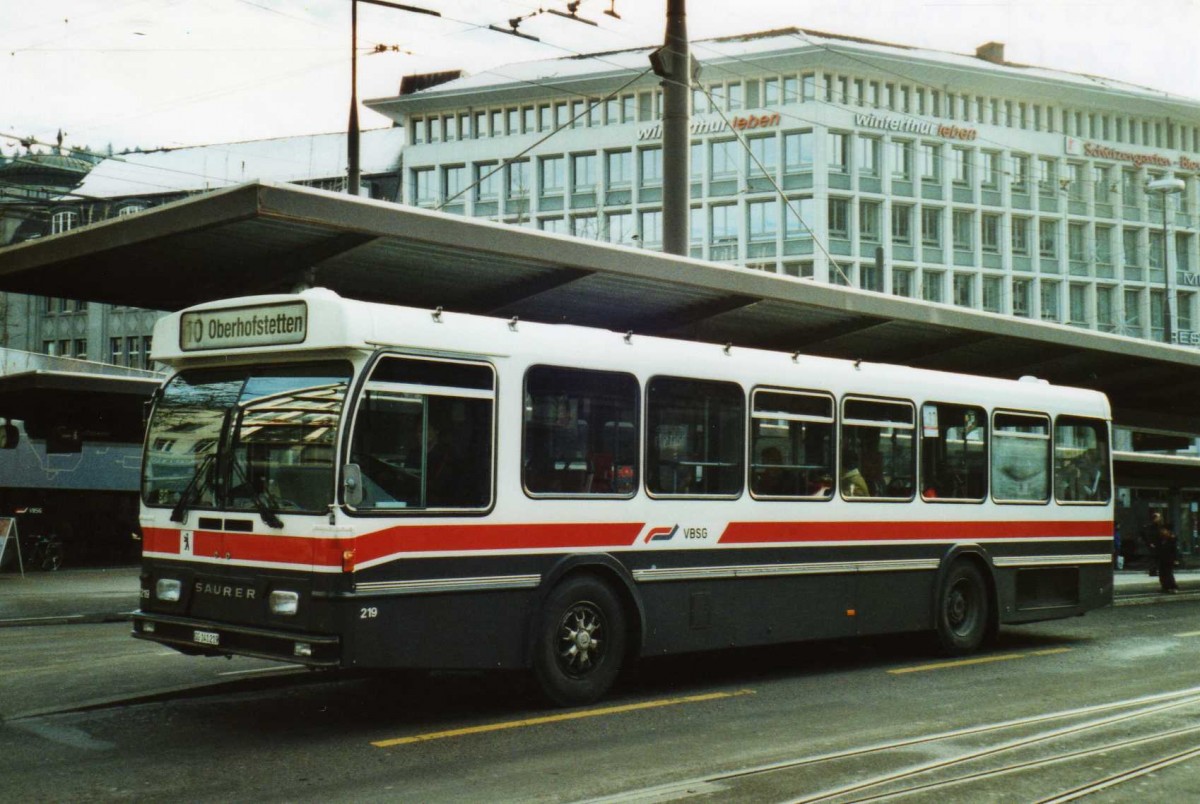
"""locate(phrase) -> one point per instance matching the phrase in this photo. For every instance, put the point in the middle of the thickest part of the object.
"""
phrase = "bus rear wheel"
(580, 642)
(963, 608)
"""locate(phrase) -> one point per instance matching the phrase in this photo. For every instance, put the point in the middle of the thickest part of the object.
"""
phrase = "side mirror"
(352, 489)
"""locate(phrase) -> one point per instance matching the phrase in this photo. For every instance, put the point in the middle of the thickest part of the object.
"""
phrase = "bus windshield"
(255, 439)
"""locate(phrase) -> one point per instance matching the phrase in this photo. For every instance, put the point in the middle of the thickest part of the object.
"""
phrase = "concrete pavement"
(111, 594)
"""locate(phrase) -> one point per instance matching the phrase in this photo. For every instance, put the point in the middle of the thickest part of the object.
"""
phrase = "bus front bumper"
(206, 638)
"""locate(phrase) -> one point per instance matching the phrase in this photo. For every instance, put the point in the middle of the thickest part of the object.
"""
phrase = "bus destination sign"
(270, 325)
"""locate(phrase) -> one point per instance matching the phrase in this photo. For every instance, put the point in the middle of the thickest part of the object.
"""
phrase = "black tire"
(579, 642)
(963, 610)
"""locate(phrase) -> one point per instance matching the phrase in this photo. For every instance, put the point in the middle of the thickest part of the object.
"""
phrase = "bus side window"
(878, 453)
(791, 448)
(953, 452)
(696, 436)
(1020, 457)
(580, 432)
(423, 435)
(1081, 460)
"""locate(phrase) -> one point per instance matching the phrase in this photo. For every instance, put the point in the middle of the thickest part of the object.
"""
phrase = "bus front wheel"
(962, 609)
(580, 642)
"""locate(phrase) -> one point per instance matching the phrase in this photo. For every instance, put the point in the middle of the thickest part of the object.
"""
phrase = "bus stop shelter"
(263, 237)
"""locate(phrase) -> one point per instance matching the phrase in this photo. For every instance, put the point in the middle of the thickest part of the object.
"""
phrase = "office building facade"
(954, 179)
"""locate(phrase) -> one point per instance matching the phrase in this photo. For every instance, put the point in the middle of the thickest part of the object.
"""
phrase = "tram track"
(919, 782)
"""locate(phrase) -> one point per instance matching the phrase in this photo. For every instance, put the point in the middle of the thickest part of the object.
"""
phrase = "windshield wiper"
(195, 487)
(264, 510)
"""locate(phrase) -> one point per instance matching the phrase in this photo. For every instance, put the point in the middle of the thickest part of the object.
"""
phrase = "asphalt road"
(1110, 699)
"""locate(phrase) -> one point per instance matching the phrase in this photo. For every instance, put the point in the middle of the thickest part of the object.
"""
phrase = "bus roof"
(318, 322)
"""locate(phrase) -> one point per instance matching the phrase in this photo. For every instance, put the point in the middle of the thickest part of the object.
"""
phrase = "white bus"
(345, 484)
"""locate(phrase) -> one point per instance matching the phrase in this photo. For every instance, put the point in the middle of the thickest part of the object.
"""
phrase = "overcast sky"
(161, 73)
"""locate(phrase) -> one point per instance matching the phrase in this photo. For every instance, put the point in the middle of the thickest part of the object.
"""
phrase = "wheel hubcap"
(580, 635)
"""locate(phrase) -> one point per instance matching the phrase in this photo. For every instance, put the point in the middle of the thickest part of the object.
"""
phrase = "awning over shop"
(266, 238)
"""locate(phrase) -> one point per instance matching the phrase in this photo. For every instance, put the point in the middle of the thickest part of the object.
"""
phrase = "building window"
(1077, 190)
(964, 229)
(554, 225)
(764, 155)
(1047, 176)
(1103, 184)
(839, 213)
(116, 351)
(651, 229)
(63, 221)
(1049, 294)
(902, 154)
(619, 228)
(1105, 319)
(931, 162)
(724, 226)
(1129, 244)
(518, 179)
(1076, 242)
(583, 170)
(839, 155)
(868, 155)
(1048, 238)
(962, 166)
(585, 226)
(1020, 173)
(620, 169)
(931, 226)
(990, 232)
(133, 351)
(487, 181)
(1077, 300)
(651, 166)
(931, 286)
(868, 221)
(454, 181)
(797, 151)
(1020, 236)
(424, 186)
(902, 224)
(1103, 245)
(1020, 298)
(798, 218)
(764, 219)
(990, 169)
(724, 158)
(993, 298)
(964, 290)
(553, 178)
(902, 282)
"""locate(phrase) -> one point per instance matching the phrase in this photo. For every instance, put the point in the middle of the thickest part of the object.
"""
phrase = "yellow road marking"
(540, 721)
(1189, 634)
(978, 660)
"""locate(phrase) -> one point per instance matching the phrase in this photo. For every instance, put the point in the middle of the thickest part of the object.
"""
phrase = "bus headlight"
(284, 603)
(168, 590)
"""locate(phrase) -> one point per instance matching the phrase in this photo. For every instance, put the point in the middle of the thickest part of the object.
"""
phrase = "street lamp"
(1166, 186)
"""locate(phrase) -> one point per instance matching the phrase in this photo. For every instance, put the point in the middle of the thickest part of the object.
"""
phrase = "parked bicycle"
(43, 552)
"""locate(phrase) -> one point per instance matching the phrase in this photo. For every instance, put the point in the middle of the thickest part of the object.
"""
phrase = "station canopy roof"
(263, 237)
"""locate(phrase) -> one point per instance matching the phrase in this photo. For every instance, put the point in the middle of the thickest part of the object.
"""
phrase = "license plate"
(206, 637)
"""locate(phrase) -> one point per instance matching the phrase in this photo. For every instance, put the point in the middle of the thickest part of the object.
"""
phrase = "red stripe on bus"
(772, 532)
(436, 538)
(327, 552)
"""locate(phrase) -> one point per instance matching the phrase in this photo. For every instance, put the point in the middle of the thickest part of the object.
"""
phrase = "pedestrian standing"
(1166, 560)
(1150, 540)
